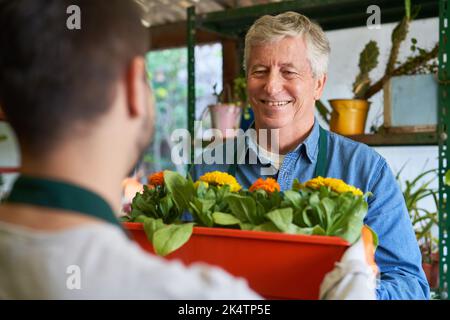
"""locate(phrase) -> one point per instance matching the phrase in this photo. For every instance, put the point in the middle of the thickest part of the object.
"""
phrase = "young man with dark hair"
(82, 110)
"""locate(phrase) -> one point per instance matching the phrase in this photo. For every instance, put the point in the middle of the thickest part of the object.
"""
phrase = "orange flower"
(156, 179)
(269, 185)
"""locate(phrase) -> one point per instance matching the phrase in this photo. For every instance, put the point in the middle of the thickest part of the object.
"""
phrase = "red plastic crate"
(276, 265)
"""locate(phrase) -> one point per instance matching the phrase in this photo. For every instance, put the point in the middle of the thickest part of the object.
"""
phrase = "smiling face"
(281, 87)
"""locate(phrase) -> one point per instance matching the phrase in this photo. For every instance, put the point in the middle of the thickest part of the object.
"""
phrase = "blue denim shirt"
(398, 256)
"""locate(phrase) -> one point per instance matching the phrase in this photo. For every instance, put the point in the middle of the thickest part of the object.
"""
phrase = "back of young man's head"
(55, 79)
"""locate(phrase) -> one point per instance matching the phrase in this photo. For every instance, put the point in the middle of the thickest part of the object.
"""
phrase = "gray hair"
(274, 28)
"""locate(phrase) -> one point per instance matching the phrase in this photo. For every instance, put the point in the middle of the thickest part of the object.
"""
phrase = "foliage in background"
(413, 63)
(236, 95)
(420, 61)
(166, 69)
(423, 219)
(168, 74)
(368, 60)
(428, 64)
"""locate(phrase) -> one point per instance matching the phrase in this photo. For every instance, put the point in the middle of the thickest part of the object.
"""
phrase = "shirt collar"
(311, 143)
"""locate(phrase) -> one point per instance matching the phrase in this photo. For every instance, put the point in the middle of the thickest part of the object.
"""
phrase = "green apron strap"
(232, 169)
(60, 195)
(321, 166)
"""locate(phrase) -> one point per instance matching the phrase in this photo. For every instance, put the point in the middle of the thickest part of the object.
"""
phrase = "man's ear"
(319, 86)
(136, 87)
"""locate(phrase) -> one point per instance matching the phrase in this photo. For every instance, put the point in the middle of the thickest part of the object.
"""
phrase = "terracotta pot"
(432, 270)
(226, 118)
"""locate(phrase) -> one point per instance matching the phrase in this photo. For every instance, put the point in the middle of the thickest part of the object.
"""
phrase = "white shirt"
(104, 264)
(265, 156)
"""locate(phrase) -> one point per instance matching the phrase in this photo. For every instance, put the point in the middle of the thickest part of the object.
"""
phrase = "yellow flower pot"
(348, 116)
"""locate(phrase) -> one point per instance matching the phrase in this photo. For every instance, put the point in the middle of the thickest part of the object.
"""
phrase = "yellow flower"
(217, 178)
(336, 185)
(197, 184)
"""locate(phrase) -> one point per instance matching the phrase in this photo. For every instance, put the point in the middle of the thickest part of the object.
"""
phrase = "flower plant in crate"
(321, 206)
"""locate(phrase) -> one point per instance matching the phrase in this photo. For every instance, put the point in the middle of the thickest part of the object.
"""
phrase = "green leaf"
(243, 207)
(266, 227)
(246, 226)
(125, 219)
(305, 217)
(293, 197)
(225, 219)
(324, 112)
(151, 226)
(314, 199)
(166, 205)
(181, 189)
(447, 178)
(282, 219)
(328, 206)
(296, 185)
(169, 238)
(201, 208)
(141, 219)
(318, 215)
(316, 230)
(135, 213)
(348, 226)
(144, 204)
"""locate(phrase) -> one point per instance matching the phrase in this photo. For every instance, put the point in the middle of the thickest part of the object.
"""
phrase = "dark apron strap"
(321, 166)
(60, 195)
(232, 169)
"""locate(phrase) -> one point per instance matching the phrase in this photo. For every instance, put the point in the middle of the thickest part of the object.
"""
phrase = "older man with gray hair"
(286, 60)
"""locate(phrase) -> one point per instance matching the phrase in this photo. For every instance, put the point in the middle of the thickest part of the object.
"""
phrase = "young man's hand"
(354, 277)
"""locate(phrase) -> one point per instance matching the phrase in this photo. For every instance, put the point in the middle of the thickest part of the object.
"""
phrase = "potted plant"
(240, 95)
(348, 116)
(251, 233)
(424, 220)
(230, 104)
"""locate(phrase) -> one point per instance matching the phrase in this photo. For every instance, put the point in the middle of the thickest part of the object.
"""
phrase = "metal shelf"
(330, 14)
(398, 139)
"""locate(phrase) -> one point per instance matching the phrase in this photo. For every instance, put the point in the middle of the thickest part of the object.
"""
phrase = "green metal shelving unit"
(339, 14)
(444, 147)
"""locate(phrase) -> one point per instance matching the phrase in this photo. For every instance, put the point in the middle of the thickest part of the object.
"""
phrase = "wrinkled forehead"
(287, 51)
